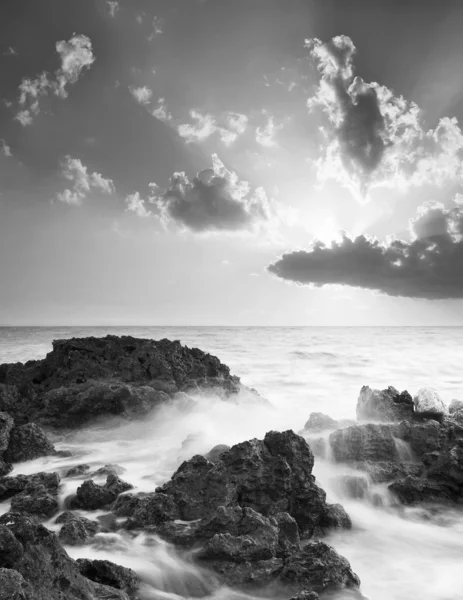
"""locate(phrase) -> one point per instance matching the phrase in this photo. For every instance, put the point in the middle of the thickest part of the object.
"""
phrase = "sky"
(218, 162)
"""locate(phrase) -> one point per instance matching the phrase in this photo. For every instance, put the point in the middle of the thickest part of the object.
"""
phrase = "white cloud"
(4, 148)
(265, 136)
(113, 7)
(373, 137)
(136, 204)
(141, 94)
(161, 112)
(157, 26)
(228, 127)
(10, 51)
(76, 55)
(82, 182)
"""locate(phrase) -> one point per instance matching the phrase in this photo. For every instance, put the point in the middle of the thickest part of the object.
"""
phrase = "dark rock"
(5, 468)
(455, 406)
(10, 549)
(116, 485)
(320, 422)
(152, 509)
(306, 596)
(317, 567)
(384, 405)
(28, 442)
(11, 401)
(6, 426)
(214, 455)
(35, 500)
(77, 471)
(10, 486)
(108, 573)
(108, 470)
(91, 496)
(288, 533)
(49, 573)
(125, 505)
(413, 491)
(335, 517)
(76, 530)
(363, 443)
(13, 586)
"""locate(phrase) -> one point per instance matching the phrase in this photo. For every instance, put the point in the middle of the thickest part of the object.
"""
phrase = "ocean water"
(398, 554)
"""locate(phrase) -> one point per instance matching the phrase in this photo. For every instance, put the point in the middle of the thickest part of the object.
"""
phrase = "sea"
(398, 553)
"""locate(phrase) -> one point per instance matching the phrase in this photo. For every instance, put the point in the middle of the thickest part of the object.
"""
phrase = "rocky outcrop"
(110, 574)
(83, 379)
(384, 405)
(40, 568)
(90, 496)
(428, 403)
(363, 443)
(75, 530)
(27, 442)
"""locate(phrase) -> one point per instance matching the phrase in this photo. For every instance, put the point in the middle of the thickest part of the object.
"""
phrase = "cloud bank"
(82, 182)
(76, 55)
(373, 137)
(429, 266)
(229, 127)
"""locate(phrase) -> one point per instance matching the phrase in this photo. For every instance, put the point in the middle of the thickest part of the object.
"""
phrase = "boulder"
(367, 442)
(76, 530)
(108, 470)
(27, 442)
(5, 468)
(10, 486)
(149, 510)
(77, 471)
(48, 572)
(455, 406)
(35, 500)
(412, 490)
(215, 453)
(335, 517)
(13, 586)
(384, 405)
(116, 485)
(429, 404)
(320, 422)
(90, 496)
(6, 426)
(110, 574)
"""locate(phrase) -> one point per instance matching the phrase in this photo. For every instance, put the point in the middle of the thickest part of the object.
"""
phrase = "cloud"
(215, 200)
(137, 205)
(373, 137)
(82, 182)
(10, 51)
(265, 136)
(113, 7)
(141, 94)
(157, 25)
(228, 127)
(4, 148)
(429, 266)
(76, 55)
(161, 112)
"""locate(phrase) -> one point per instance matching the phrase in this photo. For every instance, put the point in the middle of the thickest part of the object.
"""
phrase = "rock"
(288, 533)
(6, 426)
(108, 573)
(320, 422)
(214, 455)
(429, 404)
(76, 530)
(126, 504)
(411, 490)
(364, 443)
(335, 517)
(13, 586)
(108, 470)
(152, 509)
(35, 500)
(116, 485)
(306, 596)
(28, 442)
(317, 567)
(90, 496)
(10, 549)
(5, 468)
(77, 471)
(11, 401)
(49, 573)
(10, 486)
(455, 406)
(384, 405)
(271, 476)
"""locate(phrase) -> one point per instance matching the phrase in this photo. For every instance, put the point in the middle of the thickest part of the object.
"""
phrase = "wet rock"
(363, 443)
(335, 517)
(76, 530)
(10, 486)
(152, 509)
(249, 573)
(13, 586)
(108, 470)
(11, 401)
(35, 500)
(288, 533)
(318, 567)
(411, 490)
(116, 485)
(6, 426)
(108, 573)
(306, 596)
(28, 442)
(214, 455)
(90, 496)
(384, 405)
(320, 422)
(77, 471)
(5, 468)
(126, 504)
(10, 549)
(47, 570)
(429, 404)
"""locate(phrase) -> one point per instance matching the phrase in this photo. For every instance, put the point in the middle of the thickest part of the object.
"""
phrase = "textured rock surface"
(27, 442)
(10, 486)
(428, 403)
(363, 443)
(108, 573)
(75, 530)
(91, 496)
(384, 405)
(320, 422)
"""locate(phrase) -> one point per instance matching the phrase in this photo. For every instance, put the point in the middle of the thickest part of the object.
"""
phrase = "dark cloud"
(430, 266)
(216, 199)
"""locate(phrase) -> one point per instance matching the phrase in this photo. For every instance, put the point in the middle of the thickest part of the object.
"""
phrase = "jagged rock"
(108, 573)
(116, 485)
(108, 470)
(5, 468)
(271, 476)
(317, 567)
(13, 586)
(10, 549)
(288, 533)
(455, 406)
(384, 405)
(215, 453)
(6, 426)
(86, 378)
(428, 403)
(335, 517)
(412, 490)
(320, 422)
(10, 486)
(35, 500)
(306, 596)
(126, 504)
(363, 443)
(76, 530)
(91, 496)
(77, 471)
(47, 570)
(27, 442)
(152, 509)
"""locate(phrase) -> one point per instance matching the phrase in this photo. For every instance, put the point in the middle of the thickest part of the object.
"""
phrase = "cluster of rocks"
(82, 379)
(252, 514)
(415, 445)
